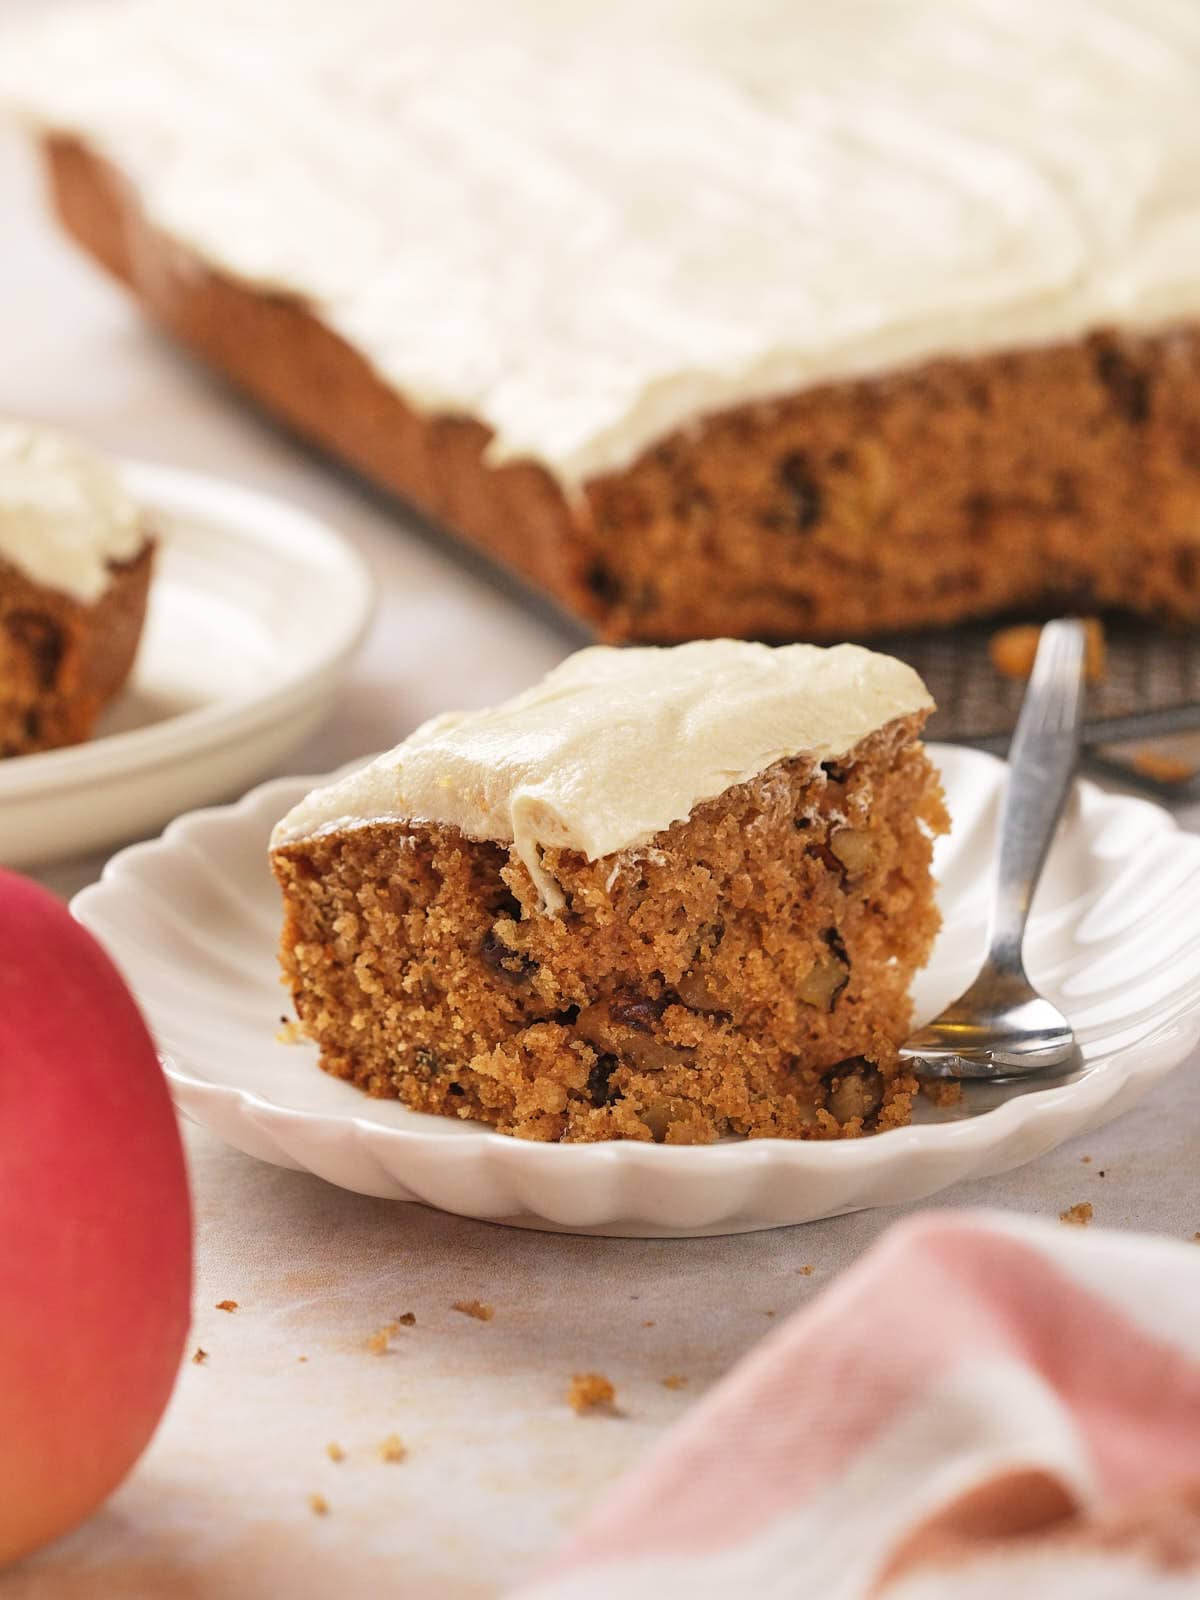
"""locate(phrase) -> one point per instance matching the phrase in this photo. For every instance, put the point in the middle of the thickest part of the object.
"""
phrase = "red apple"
(95, 1224)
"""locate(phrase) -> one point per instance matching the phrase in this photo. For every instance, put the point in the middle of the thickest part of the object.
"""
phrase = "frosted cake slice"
(76, 557)
(667, 894)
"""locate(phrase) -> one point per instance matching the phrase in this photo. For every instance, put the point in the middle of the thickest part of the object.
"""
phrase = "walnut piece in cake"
(75, 567)
(666, 895)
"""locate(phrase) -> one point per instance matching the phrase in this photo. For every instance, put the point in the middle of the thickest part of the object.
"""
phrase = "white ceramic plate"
(254, 608)
(1115, 939)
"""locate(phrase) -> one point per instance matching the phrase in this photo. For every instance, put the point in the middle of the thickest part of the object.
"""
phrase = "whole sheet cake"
(772, 319)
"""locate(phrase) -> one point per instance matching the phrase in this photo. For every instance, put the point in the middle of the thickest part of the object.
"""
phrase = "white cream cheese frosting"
(586, 224)
(615, 745)
(64, 514)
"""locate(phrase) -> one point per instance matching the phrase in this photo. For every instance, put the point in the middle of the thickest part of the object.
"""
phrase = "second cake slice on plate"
(667, 894)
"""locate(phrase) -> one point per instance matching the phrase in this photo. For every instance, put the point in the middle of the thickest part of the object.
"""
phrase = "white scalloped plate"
(192, 919)
(254, 610)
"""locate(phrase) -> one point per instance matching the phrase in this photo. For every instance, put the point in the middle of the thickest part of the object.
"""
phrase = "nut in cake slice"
(668, 894)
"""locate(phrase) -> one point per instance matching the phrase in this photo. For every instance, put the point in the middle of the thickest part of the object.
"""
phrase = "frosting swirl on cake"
(586, 225)
(65, 516)
(615, 745)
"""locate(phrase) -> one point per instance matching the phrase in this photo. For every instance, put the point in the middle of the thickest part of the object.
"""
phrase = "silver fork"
(1001, 1027)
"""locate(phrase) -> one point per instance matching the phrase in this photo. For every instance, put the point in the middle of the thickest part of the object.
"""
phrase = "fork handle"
(1042, 759)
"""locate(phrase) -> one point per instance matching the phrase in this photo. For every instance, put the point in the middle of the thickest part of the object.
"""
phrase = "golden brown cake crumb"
(290, 1032)
(392, 1448)
(650, 1324)
(1012, 650)
(227, 1305)
(318, 1505)
(301, 1358)
(745, 972)
(474, 1308)
(674, 1381)
(200, 1356)
(379, 1341)
(1162, 767)
(1078, 1215)
(806, 1272)
(590, 1391)
(407, 1320)
(1087, 1160)
(335, 1452)
(942, 1092)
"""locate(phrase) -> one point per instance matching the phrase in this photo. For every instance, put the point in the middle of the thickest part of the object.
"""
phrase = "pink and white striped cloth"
(982, 1407)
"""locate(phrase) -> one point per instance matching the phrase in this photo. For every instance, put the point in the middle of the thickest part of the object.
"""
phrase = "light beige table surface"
(498, 1466)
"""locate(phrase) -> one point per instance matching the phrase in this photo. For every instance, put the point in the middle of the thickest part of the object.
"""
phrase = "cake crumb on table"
(292, 1032)
(393, 1448)
(335, 1452)
(318, 1505)
(1077, 1216)
(200, 1357)
(1087, 1160)
(379, 1341)
(590, 1391)
(650, 1324)
(806, 1271)
(674, 1381)
(407, 1319)
(226, 1305)
(478, 1309)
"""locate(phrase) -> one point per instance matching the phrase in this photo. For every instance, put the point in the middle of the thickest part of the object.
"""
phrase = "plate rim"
(978, 1133)
(263, 519)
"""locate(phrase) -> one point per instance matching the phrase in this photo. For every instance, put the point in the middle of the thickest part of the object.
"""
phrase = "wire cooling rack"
(1150, 690)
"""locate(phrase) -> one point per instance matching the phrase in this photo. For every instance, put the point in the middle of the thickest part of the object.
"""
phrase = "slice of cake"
(666, 894)
(75, 564)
